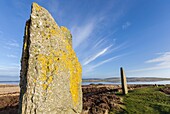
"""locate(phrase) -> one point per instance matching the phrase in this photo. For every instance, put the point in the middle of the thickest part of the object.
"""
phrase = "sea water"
(117, 83)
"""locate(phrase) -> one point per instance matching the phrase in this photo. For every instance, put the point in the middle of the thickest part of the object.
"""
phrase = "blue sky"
(107, 35)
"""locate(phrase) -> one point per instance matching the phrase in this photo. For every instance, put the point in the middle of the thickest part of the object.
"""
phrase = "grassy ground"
(147, 100)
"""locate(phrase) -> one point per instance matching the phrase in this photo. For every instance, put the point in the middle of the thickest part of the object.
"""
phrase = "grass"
(147, 100)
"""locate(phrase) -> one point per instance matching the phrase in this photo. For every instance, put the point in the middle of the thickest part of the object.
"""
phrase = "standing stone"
(123, 80)
(50, 77)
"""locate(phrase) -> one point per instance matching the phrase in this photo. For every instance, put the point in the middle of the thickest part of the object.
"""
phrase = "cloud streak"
(161, 62)
(82, 33)
(99, 42)
(164, 58)
(90, 68)
(9, 70)
(12, 56)
(13, 44)
(126, 25)
(89, 60)
(105, 61)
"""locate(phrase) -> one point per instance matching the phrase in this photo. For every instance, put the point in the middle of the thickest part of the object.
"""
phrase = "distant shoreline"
(115, 80)
(129, 79)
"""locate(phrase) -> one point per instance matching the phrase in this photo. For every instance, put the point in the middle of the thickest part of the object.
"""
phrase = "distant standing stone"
(123, 81)
(50, 77)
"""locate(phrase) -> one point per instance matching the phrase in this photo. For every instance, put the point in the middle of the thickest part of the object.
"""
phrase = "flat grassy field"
(148, 100)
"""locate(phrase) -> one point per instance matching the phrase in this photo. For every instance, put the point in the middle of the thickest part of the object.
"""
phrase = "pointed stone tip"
(36, 6)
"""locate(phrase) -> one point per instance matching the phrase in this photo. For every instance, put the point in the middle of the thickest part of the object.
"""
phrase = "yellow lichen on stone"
(64, 29)
(45, 62)
(53, 32)
(75, 74)
(25, 45)
(74, 84)
(37, 7)
(43, 77)
(44, 86)
(67, 35)
(50, 79)
(34, 80)
(67, 60)
(26, 36)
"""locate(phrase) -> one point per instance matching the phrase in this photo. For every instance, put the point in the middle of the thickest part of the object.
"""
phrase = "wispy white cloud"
(118, 47)
(10, 45)
(98, 43)
(92, 58)
(103, 40)
(82, 33)
(105, 61)
(13, 44)
(9, 70)
(126, 25)
(90, 68)
(164, 58)
(160, 62)
(12, 56)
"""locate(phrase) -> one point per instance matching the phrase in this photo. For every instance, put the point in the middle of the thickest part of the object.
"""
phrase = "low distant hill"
(112, 79)
(129, 79)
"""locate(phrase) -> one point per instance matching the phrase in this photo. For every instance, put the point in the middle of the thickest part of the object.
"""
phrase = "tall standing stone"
(50, 77)
(123, 81)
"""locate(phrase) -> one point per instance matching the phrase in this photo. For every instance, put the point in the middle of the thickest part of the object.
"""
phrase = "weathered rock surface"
(50, 78)
(123, 81)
